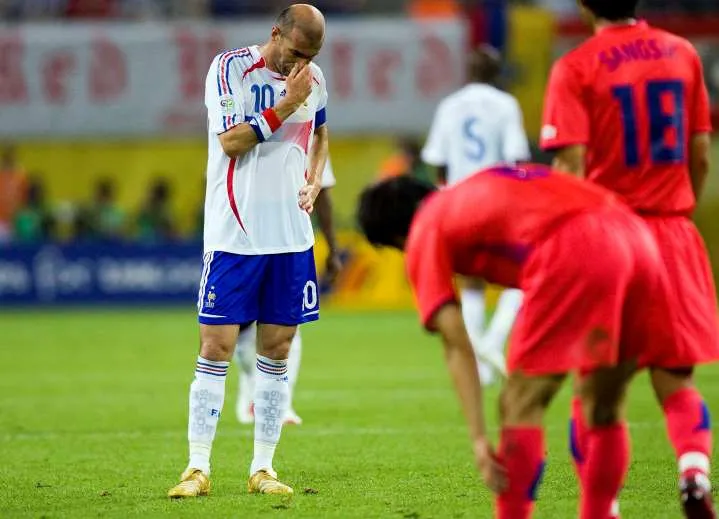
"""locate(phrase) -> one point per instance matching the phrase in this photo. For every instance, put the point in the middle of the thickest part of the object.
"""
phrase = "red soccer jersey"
(486, 226)
(634, 95)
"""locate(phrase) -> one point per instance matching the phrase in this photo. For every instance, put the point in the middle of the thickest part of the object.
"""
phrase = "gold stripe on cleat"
(193, 483)
(262, 482)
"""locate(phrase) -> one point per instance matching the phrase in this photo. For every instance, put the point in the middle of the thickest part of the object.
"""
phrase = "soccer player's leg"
(689, 429)
(271, 404)
(473, 314)
(606, 444)
(293, 372)
(612, 353)
(523, 402)
(500, 326)
(289, 298)
(245, 355)
(245, 358)
(227, 291)
(694, 307)
(571, 321)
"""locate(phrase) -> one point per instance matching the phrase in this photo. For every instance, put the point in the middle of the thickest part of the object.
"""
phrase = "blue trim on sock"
(574, 443)
(534, 487)
(705, 423)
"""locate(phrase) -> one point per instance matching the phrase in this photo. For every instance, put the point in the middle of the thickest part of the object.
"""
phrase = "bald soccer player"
(267, 138)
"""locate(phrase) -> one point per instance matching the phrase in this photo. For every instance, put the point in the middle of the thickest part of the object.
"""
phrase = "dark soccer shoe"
(696, 497)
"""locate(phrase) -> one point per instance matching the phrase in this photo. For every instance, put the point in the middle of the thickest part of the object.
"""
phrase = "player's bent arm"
(324, 216)
(462, 366)
(318, 155)
(242, 138)
(570, 159)
(699, 162)
(238, 140)
(318, 159)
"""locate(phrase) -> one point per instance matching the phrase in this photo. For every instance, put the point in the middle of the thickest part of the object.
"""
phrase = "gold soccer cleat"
(262, 482)
(193, 483)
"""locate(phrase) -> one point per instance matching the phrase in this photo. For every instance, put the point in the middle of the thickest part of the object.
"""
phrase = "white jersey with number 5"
(251, 205)
(475, 128)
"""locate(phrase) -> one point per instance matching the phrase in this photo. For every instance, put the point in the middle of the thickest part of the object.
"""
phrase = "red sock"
(578, 436)
(605, 467)
(521, 449)
(689, 429)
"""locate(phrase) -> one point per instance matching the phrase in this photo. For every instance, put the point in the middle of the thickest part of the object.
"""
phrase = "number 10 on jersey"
(264, 97)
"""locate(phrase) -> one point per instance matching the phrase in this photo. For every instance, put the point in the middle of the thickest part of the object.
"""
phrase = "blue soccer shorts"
(270, 289)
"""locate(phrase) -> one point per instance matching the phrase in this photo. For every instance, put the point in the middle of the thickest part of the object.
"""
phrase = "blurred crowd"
(29, 215)
(160, 9)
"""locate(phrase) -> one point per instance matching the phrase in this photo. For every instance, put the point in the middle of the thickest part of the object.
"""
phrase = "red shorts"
(693, 295)
(595, 294)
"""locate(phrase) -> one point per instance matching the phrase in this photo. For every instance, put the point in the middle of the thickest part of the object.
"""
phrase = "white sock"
(246, 357)
(502, 321)
(207, 394)
(293, 365)
(271, 400)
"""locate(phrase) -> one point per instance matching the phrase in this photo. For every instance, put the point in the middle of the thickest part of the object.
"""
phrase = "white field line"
(233, 430)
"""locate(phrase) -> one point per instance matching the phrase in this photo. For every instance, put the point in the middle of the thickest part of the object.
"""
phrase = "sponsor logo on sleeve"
(227, 104)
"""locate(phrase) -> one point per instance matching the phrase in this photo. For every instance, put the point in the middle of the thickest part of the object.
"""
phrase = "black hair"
(386, 208)
(612, 10)
(484, 64)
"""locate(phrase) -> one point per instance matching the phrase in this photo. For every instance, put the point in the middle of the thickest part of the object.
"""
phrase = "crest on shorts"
(227, 104)
(210, 300)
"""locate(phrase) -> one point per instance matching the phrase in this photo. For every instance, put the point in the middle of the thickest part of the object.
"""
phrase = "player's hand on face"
(333, 265)
(299, 83)
(307, 196)
(493, 472)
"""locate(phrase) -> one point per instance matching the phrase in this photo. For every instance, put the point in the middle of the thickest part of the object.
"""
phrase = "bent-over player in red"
(595, 301)
(628, 109)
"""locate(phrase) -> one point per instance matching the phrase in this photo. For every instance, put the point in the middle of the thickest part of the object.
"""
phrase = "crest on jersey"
(227, 104)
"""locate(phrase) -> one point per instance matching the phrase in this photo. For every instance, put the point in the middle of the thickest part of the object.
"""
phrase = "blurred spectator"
(92, 8)
(677, 6)
(338, 7)
(237, 8)
(155, 222)
(102, 219)
(560, 8)
(406, 161)
(142, 9)
(433, 8)
(31, 9)
(33, 222)
(187, 8)
(13, 190)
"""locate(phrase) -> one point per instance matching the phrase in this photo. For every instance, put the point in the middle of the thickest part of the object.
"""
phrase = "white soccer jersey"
(474, 128)
(251, 205)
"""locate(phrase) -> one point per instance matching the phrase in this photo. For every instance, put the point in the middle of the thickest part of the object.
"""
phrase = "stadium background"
(96, 90)
(88, 100)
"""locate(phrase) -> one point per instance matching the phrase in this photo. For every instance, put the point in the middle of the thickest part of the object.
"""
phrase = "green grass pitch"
(93, 412)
